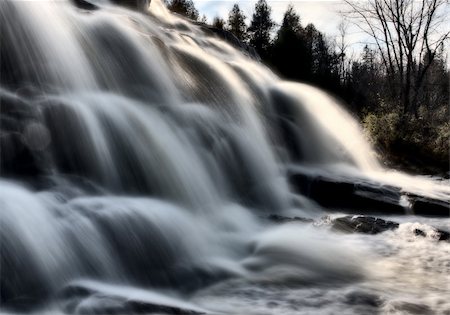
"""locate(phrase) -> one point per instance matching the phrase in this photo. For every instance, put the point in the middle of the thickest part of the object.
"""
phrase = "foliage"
(260, 27)
(185, 8)
(236, 23)
(218, 23)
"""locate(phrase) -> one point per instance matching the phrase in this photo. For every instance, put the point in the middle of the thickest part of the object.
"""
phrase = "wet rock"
(418, 232)
(134, 4)
(338, 193)
(362, 224)
(282, 219)
(440, 235)
(84, 4)
(363, 298)
(429, 207)
(372, 225)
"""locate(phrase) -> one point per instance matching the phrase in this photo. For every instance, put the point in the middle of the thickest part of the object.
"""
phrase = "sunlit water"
(141, 155)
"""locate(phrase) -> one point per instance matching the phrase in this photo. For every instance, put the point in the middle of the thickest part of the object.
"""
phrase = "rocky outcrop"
(373, 225)
(358, 224)
(339, 193)
(365, 225)
(362, 195)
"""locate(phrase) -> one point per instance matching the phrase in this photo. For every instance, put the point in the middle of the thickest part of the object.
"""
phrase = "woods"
(398, 86)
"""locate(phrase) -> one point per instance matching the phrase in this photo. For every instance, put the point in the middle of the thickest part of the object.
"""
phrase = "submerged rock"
(365, 225)
(84, 4)
(276, 218)
(373, 225)
(89, 298)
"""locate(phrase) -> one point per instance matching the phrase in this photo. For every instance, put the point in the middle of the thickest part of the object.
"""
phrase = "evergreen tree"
(203, 19)
(288, 50)
(260, 28)
(218, 23)
(185, 8)
(236, 23)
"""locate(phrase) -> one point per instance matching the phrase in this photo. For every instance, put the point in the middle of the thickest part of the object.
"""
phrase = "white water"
(142, 153)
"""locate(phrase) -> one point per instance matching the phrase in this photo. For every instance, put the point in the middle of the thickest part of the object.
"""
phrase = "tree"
(288, 50)
(218, 23)
(236, 23)
(342, 46)
(185, 8)
(203, 19)
(260, 28)
(404, 32)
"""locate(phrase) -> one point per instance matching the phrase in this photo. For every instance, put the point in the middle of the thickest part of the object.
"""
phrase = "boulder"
(372, 225)
(362, 224)
(349, 194)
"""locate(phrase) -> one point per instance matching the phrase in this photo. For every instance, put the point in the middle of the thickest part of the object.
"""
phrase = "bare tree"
(408, 34)
(342, 47)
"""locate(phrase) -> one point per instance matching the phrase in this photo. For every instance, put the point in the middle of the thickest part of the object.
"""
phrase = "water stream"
(141, 155)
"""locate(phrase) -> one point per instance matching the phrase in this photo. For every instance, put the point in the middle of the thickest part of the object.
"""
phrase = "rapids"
(141, 155)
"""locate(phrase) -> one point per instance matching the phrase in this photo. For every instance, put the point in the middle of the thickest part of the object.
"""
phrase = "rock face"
(345, 194)
(356, 195)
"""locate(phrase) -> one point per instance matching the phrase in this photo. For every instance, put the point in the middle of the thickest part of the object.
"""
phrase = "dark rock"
(85, 5)
(429, 207)
(372, 225)
(365, 225)
(440, 235)
(281, 219)
(443, 235)
(133, 4)
(418, 232)
(337, 193)
(363, 298)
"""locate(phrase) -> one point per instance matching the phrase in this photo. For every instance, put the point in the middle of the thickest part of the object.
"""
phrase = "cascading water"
(140, 157)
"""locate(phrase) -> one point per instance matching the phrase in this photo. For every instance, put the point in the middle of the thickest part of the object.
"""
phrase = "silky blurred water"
(141, 155)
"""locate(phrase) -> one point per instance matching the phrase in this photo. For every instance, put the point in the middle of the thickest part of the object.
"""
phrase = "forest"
(397, 87)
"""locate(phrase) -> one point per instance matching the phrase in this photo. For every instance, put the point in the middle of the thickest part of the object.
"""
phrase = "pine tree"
(218, 23)
(236, 23)
(260, 28)
(185, 8)
(288, 50)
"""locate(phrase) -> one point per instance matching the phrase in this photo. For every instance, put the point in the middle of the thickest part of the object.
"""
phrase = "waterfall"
(141, 150)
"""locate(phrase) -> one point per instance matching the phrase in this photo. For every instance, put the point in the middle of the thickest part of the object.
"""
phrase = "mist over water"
(141, 156)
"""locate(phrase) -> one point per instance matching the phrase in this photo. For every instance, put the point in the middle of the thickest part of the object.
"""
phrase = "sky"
(324, 14)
